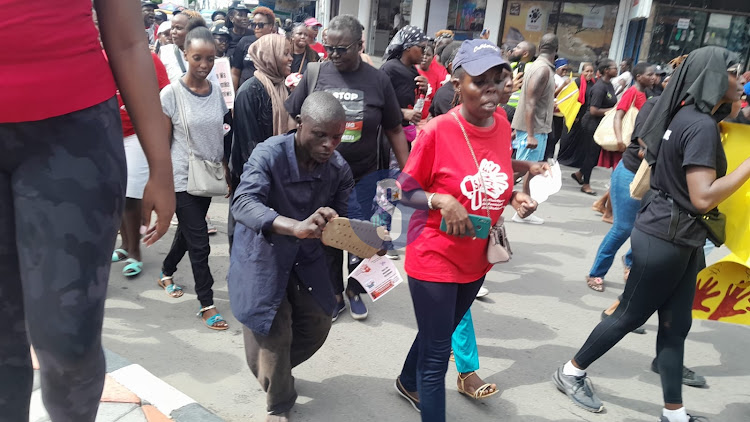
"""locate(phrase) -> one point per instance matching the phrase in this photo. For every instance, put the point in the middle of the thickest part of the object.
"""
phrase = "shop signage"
(514, 9)
(683, 23)
(535, 19)
(640, 9)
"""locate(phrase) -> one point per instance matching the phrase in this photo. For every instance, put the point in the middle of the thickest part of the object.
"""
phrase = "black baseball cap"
(477, 56)
(241, 7)
(220, 29)
(218, 12)
(148, 4)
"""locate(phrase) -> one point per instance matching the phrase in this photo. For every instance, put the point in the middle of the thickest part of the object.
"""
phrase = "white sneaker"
(532, 219)
(174, 221)
(482, 292)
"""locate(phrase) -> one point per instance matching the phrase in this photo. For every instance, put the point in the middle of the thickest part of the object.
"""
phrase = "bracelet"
(429, 201)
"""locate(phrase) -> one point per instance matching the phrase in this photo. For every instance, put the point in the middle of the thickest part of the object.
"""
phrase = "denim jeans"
(624, 209)
(439, 307)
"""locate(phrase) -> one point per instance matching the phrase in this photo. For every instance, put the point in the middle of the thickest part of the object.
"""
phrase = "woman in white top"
(173, 55)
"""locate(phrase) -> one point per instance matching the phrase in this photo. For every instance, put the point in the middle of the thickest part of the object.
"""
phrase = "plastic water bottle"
(419, 105)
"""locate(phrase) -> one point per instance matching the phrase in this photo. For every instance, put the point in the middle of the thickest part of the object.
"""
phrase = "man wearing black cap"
(240, 23)
(159, 18)
(149, 20)
(658, 87)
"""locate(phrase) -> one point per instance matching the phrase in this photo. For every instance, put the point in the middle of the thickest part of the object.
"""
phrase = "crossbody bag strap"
(179, 59)
(479, 170)
(177, 90)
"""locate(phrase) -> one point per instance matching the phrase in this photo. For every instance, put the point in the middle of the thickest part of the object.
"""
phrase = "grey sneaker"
(689, 377)
(579, 389)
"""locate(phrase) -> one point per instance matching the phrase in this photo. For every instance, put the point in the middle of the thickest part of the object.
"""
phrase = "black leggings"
(588, 127)
(662, 279)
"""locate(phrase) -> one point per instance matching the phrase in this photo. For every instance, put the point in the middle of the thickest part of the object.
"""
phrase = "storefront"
(679, 28)
(585, 29)
(290, 9)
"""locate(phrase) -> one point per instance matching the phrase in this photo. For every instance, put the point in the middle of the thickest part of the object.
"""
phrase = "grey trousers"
(62, 190)
(299, 329)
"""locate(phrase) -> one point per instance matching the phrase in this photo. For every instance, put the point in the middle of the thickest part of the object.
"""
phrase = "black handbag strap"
(179, 59)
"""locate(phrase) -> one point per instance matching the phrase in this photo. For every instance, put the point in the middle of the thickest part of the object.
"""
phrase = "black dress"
(602, 97)
(571, 154)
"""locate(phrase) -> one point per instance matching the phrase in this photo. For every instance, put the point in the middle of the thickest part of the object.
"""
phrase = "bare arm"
(309, 228)
(618, 129)
(236, 75)
(598, 112)
(121, 26)
(399, 145)
(706, 191)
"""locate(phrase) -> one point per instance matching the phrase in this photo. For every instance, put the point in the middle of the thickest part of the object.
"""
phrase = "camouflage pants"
(62, 189)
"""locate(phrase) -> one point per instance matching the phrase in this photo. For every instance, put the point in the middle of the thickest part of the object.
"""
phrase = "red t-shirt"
(435, 75)
(54, 65)
(440, 161)
(161, 77)
(627, 99)
(318, 47)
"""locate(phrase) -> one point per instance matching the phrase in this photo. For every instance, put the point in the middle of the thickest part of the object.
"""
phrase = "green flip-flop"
(133, 267)
(119, 255)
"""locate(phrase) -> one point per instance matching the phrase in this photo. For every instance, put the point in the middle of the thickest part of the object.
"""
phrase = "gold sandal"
(481, 392)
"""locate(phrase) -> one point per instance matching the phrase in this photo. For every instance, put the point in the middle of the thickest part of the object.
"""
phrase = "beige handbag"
(205, 178)
(498, 247)
(605, 132)
(641, 182)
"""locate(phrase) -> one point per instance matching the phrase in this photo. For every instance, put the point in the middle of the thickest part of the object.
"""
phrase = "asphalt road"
(539, 312)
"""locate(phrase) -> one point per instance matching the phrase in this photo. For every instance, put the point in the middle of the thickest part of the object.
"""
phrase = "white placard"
(683, 23)
(377, 275)
(535, 18)
(594, 19)
(223, 71)
(545, 185)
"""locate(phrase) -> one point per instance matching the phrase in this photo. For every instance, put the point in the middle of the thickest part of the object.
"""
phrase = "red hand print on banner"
(734, 296)
(703, 293)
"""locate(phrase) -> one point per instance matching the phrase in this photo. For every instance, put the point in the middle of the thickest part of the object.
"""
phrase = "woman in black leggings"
(688, 179)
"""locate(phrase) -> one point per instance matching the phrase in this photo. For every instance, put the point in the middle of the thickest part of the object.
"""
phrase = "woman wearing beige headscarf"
(259, 107)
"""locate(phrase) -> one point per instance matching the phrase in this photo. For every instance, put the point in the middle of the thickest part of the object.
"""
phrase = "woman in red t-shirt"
(635, 96)
(460, 165)
(436, 76)
(62, 188)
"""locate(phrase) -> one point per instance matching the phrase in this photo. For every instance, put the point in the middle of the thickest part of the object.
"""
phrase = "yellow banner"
(723, 290)
(736, 140)
(567, 103)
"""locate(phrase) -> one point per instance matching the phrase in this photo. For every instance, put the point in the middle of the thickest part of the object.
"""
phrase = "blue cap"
(747, 89)
(560, 63)
(477, 56)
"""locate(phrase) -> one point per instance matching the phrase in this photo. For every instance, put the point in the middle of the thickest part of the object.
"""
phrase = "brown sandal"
(480, 393)
(595, 283)
(171, 289)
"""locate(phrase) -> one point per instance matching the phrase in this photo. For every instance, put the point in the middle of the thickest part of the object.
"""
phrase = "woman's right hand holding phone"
(454, 214)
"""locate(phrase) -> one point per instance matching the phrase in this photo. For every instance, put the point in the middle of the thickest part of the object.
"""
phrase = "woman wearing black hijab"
(688, 179)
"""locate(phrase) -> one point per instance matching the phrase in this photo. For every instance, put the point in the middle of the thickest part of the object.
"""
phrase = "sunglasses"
(259, 25)
(338, 50)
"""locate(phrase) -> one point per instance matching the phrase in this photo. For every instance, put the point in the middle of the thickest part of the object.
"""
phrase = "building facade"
(653, 30)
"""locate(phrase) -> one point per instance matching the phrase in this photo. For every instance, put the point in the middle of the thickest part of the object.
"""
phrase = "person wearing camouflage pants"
(62, 190)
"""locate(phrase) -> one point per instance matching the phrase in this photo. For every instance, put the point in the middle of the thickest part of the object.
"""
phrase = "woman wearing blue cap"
(460, 166)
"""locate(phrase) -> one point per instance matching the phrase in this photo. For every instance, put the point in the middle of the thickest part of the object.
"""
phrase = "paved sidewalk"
(131, 394)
